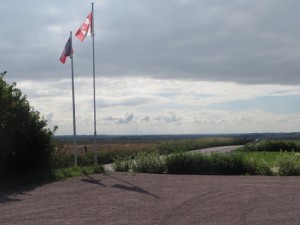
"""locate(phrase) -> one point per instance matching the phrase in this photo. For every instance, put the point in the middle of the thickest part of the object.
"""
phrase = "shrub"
(215, 164)
(148, 163)
(288, 165)
(25, 142)
(273, 146)
(234, 163)
(122, 163)
(227, 164)
(60, 156)
(86, 159)
(258, 167)
(183, 163)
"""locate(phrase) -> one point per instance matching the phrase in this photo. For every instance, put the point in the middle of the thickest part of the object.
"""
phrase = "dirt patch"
(126, 198)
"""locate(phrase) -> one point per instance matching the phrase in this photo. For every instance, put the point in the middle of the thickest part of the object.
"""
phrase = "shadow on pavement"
(131, 187)
(91, 180)
(11, 195)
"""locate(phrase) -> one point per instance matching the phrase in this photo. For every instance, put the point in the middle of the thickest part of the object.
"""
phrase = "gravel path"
(127, 198)
(221, 149)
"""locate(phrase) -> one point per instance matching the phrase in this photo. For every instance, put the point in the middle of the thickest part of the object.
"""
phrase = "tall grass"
(288, 165)
(215, 164)
(195, 163)
(148, 163)
(107, 152)
(166, 147)
(274, 146)
(122, 164)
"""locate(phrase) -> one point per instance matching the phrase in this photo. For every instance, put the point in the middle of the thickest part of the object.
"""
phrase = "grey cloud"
(170, 118)
(120, 120)
(128, 118)
(236, 41)
(146, 119)
(249, 41)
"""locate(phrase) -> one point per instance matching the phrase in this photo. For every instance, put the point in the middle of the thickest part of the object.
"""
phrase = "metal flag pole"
(94, 86)
(73, 100)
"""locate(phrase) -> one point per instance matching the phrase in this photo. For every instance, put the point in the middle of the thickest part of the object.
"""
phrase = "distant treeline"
(245, 137)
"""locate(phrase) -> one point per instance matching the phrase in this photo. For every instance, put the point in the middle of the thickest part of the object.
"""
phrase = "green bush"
(75, 171)
(273, 146)
(288, 165)
(60, 156)
(148, 163)
(258, 167)
(202, 164)
(185, 163)
(227, 164)
(215, 164)
(122, 163)
(25, 141)
(84, 159)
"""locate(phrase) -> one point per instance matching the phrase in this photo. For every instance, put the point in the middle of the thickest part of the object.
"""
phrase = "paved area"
(127, 198)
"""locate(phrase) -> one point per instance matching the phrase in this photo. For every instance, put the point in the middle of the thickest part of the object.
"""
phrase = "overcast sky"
(162, 66)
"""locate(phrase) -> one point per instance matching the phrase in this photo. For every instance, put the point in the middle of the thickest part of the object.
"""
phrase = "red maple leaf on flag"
(85, 28)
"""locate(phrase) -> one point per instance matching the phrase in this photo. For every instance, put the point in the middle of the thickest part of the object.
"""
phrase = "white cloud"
(153, 105)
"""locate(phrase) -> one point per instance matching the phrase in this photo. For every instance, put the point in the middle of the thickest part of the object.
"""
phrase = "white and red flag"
(68, 51)
(85, 28)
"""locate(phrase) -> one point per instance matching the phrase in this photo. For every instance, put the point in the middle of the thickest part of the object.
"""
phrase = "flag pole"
(73, 101)
(94, 87)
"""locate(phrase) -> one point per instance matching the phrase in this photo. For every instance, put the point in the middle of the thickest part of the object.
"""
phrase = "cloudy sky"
(162, 66)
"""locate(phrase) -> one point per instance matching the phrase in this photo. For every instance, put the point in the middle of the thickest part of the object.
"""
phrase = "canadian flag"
(85, 28)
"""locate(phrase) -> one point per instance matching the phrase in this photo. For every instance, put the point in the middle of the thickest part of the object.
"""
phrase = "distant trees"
(25, 141)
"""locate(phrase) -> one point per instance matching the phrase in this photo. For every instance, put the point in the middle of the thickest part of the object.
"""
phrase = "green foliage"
(258, 167)
(274, 146)
(148, 163)
(60, 156)
(227, 164)
(25, 142)
(186, 163)
(115, 151)
(288, 165)
(143, 162)
(75, 171)
(122, 163)
(214, 164)
(110, 156)
(193, 163)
